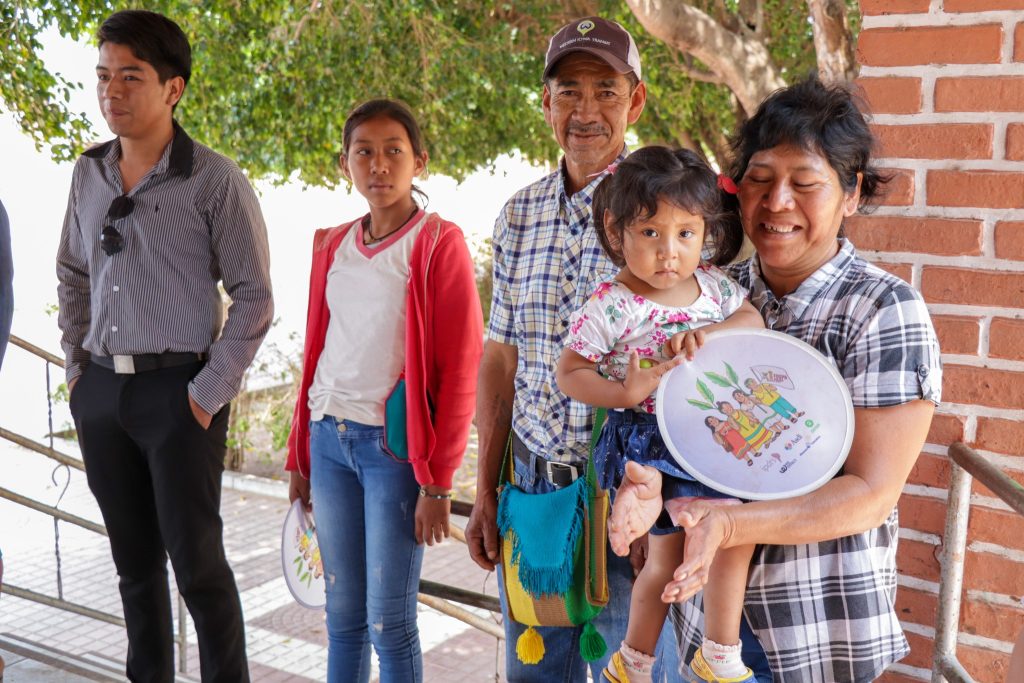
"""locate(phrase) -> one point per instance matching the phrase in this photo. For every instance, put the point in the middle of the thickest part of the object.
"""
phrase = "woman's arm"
(578, 378)
(885, 447)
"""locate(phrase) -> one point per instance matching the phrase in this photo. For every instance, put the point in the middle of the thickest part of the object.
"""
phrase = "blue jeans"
(364, 505)
(562, 660)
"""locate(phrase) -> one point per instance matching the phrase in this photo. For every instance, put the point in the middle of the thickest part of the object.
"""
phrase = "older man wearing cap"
(547, 261)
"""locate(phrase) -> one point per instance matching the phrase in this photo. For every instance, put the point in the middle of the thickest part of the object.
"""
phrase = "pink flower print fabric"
(615, 322)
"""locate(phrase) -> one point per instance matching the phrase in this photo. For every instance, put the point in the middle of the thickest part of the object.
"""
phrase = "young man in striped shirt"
(154, 222)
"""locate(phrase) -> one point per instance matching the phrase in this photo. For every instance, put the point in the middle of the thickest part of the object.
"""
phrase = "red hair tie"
(726, 184)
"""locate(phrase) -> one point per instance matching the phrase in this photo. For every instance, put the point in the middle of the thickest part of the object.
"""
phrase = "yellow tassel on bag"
(530, 646)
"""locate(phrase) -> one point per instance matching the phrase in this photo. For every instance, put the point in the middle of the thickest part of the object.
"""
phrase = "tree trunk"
(832, 41)
(743, 64)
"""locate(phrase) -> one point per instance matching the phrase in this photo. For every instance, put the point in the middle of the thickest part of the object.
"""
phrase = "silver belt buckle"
(124, 365)
(551, 467)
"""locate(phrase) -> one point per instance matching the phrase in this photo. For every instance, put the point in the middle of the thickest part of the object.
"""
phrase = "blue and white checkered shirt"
(824, 611)
(547, 262)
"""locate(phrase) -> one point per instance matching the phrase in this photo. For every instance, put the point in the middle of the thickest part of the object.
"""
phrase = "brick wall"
(945, 81)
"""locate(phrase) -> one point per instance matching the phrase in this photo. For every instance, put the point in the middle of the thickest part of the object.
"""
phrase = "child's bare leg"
(638, 504)
(723, 608)
(647, 612)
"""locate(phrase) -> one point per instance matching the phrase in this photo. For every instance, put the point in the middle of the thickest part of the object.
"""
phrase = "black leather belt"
(558, 473)
(144, 362)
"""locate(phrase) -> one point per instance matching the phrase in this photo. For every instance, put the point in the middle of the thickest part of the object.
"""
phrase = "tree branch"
(832, 41)
(743, 64)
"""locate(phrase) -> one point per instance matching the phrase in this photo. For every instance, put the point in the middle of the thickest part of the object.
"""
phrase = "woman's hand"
(298, 488)
(432, 516)
(708, 527)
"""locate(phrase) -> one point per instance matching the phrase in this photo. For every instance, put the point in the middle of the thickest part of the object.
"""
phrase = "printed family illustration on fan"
(744, 430)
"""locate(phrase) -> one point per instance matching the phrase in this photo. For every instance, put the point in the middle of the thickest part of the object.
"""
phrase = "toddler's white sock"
(638, 664)
(726, 661)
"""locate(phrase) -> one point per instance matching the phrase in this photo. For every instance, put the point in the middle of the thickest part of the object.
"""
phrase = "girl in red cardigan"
(394, 335)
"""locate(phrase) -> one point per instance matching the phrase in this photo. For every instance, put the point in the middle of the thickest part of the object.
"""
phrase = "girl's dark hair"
(388, 109)
(680, 177)
(153, 38)
(825, 118)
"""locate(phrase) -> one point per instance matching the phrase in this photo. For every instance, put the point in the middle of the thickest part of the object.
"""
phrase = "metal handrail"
(966, 464)
(57, 514)
(438, 596)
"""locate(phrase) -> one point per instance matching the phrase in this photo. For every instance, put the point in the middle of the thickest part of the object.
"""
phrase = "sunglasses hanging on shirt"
(111, 241)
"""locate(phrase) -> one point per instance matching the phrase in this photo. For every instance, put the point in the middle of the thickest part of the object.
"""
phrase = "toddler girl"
(655, 214)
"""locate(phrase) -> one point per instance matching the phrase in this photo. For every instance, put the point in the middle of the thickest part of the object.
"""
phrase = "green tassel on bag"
(592, 645)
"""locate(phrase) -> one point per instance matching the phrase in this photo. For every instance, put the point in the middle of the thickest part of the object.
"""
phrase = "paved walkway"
(285, 642)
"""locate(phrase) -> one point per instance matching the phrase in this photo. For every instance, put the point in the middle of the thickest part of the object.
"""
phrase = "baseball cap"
(599, 37)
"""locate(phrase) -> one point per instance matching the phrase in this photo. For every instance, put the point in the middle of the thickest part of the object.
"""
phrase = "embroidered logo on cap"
(585, 27)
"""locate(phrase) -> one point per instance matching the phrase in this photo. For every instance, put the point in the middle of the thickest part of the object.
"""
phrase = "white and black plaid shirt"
(824, 611)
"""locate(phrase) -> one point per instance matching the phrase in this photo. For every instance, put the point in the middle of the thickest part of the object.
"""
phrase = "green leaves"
(705, 392)
(274, 79)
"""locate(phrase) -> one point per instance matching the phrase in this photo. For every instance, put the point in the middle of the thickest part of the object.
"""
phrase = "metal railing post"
(954, 546)
(182, 635)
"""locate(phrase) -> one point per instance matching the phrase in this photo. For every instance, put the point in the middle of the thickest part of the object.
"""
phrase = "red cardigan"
(443, 345)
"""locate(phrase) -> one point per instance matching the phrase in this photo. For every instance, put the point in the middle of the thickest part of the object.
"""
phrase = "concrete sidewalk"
(285, 641)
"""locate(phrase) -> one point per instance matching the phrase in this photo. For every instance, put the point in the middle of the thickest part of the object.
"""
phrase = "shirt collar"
(177, 156)
(797, 301)
(586, 195)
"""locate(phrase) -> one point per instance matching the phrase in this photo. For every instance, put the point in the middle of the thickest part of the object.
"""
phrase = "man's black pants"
(156, 474)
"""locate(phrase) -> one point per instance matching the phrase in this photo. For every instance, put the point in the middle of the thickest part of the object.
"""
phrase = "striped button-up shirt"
(824, 612)
(547, 262)
(195, 222)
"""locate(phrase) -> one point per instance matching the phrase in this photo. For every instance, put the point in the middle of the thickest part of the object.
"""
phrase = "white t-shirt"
(364, 351)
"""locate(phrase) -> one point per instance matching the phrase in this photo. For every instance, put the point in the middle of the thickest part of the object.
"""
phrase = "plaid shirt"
(824, 611)
(547, 262)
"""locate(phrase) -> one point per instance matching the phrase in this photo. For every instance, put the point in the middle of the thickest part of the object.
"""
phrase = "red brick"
(943, 236)
(946, 429)
(892, 95)
(893, 6)
(901, 46)
(941, 284)
(1018, 43)
(899, 191)
(991, 621)
(927, 515)
(894, 677)
(983, 386)
(1000, 436)
(998, 527)
(904, 271)
(982, 189)
(1010, 240)
(957, 334)
(1015, 142)
(982, 664)
(977, 488)
(930, 470)
(980, 5)
(936, 141)
(988, 572)
(980, 93)
(1006, 338)
(917, 559)
(921, 651)
(916, 607)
